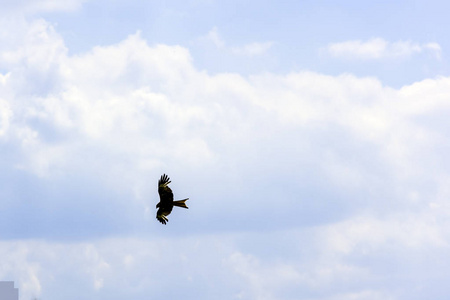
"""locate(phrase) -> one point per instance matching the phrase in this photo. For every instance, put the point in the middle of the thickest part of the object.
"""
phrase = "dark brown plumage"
(166, 202)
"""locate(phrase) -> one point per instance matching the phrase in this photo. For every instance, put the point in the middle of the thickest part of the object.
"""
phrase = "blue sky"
(311, 138)
(296, 31)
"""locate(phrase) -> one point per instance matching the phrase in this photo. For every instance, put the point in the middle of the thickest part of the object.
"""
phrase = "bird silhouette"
(166, 202)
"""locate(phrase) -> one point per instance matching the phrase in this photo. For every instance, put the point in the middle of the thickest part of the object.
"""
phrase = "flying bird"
(166, 202)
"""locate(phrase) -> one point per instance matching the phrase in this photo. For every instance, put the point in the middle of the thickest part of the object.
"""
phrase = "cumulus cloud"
(137, 110)
(332, 187)
(378, 48)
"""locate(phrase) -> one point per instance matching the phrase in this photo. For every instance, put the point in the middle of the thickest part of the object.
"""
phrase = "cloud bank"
(327, 187)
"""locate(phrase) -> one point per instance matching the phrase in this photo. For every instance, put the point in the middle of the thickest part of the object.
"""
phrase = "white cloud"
(213, 36)
(331, 186)
(435, 48)
(250, 49)
(378, 48)
(81, 269)
(262, 280)
(400, 231)
(359, 258)
(148, 107)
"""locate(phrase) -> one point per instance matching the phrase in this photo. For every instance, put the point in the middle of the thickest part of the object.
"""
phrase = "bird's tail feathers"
(181, 203)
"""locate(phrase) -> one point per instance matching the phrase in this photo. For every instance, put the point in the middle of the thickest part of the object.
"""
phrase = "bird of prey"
(166, 202)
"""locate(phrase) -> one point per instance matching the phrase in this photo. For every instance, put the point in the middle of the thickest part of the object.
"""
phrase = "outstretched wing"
(162, 214)
(165, 193)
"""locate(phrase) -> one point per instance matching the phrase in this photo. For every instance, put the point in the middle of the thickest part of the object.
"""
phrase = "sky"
(310, 136)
